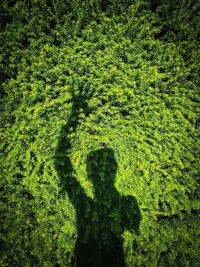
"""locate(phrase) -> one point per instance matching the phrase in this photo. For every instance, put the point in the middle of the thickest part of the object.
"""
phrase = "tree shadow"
(102, 220)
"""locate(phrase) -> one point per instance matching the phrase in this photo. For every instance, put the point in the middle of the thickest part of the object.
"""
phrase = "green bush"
(129, 71)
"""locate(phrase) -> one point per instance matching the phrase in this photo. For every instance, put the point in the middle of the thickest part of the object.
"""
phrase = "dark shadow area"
(100, 222)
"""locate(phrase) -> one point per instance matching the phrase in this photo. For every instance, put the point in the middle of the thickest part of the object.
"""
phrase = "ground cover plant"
(99, 89)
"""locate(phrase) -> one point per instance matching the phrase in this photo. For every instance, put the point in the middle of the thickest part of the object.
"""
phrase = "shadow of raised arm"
(62, 154)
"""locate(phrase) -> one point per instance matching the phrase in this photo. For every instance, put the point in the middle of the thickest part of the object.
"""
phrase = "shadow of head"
(101, 169)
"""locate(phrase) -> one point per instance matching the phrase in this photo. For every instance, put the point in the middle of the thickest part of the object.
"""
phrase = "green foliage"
(137, 61)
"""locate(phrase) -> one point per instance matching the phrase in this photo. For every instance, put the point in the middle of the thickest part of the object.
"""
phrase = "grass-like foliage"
(99, 133)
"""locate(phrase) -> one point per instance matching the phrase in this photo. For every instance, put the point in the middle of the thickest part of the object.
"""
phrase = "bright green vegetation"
(133, 66)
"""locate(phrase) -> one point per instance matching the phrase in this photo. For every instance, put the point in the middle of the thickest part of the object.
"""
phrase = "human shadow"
(102, 220)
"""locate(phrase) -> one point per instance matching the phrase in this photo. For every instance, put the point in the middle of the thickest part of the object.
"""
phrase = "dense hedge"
(81, 76)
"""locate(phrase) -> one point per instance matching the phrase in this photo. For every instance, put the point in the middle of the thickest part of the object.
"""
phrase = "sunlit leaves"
(137, 72)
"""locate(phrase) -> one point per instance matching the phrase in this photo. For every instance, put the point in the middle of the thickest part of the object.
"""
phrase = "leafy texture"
(81, 76)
